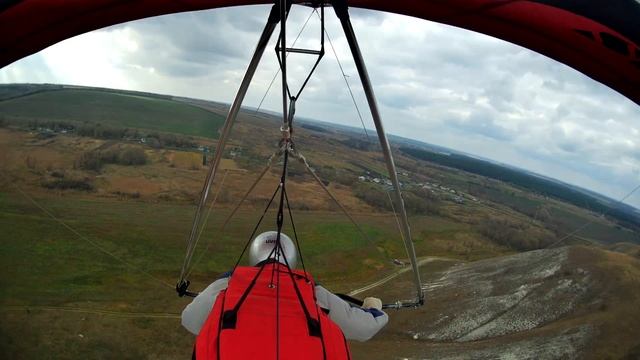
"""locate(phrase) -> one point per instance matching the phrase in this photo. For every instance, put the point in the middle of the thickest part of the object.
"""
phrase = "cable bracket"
(319, 53)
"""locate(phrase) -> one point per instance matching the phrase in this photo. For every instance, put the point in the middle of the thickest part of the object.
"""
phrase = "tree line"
(416, 201)
(522, 179)
(154, 139)
(516, 236)
(96, 159)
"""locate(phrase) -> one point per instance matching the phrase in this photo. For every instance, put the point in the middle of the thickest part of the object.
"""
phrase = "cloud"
(433, 82)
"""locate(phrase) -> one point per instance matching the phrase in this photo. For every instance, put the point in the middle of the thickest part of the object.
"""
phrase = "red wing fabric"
(600, 38)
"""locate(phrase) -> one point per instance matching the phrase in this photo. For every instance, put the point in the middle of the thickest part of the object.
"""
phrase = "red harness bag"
(253, 319)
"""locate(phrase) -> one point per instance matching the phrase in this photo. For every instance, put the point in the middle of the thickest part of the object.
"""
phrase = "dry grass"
(185, 160)
(605, 309)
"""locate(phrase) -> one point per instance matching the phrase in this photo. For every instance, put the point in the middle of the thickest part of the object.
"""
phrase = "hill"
(564, 303)
(110, 108)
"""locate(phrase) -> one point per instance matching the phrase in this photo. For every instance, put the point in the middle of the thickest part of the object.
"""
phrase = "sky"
(434, 83)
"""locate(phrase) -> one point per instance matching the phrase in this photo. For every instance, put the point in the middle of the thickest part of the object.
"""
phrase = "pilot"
(359, 323)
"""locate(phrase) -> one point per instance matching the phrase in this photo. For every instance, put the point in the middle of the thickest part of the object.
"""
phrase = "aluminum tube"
(304, 51)
(274, 18)
(343, 15)
(283, 55)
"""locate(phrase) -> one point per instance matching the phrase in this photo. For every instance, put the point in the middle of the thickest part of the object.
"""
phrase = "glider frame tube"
(274, 18)
(342, 12)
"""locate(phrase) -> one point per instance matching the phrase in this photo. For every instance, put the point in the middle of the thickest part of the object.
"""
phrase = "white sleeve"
(355, 323)
(196, 313)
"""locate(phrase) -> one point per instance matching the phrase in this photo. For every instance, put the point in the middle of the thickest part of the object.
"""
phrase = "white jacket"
(356, 323)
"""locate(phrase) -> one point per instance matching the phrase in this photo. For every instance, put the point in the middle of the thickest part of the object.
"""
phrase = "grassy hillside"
(122, 110)
(567, 303)
(10, 91)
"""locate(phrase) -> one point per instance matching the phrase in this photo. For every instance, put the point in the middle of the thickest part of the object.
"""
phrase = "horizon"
(356, 129)
(460, 90)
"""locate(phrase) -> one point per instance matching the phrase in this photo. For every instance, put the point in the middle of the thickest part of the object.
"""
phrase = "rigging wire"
(204, 224)
(255, 229)
(276, 155)
(278, 72)
(534, 221)
(303, 160)
(288, 111)
(342, 11)
(286, 128)
(344, 76)
(395, 215)
(273, 157)
(585, 225)
(213, 202)
(89, 241)
(182, 284)
(295, 235)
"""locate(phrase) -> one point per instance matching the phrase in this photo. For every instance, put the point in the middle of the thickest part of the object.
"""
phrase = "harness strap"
(229, 318)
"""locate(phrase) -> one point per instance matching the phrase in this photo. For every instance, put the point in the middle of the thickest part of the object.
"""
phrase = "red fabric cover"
(254, 336)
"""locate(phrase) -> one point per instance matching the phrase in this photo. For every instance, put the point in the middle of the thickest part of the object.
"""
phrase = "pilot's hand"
(372, 303)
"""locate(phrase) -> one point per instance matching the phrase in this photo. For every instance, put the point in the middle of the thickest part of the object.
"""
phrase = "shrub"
(516, 236)
(57, 174)
(89, 160)
(132, 156)
(419, 205)
(31, 162)
(415, 201)
(68, 184)
(372, 195)
(330, 174)
(95, 159)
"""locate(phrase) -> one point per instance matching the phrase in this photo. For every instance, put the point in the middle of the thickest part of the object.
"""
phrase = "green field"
(121, 110)
(45, 263)
(51, 274)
